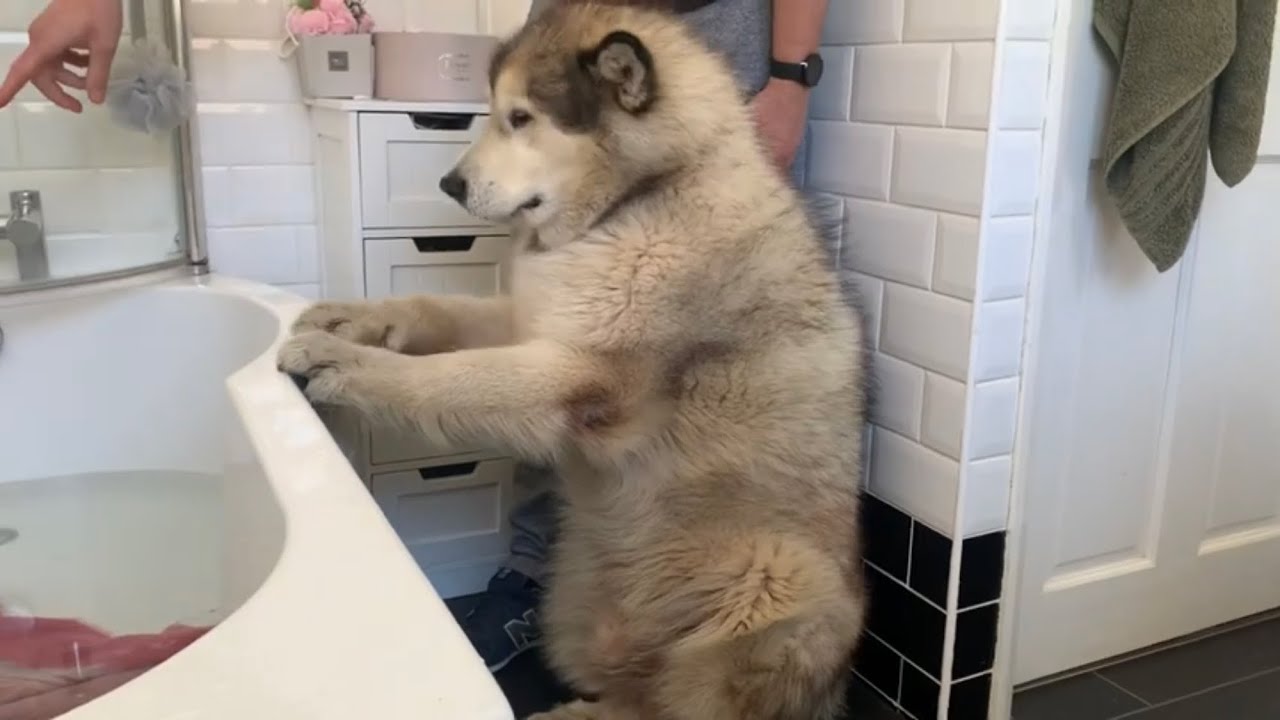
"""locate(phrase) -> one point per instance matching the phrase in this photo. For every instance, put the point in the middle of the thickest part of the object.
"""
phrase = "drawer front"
(449, 513)
(389, 444)
(453, 264)
(402, 158)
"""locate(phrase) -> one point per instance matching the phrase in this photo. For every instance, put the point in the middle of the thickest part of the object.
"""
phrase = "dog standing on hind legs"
(675, 341)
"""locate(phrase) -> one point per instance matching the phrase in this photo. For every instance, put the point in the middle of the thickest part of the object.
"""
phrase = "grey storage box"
(432, 67)
(336, 66)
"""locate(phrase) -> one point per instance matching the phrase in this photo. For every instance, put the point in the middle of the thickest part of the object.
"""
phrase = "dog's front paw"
(325, 362)
(377, 324)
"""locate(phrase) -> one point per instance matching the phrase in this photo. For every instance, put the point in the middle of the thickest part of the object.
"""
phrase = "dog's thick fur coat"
(676, 343)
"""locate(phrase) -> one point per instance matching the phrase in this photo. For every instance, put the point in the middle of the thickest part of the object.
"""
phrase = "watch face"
(813, 70)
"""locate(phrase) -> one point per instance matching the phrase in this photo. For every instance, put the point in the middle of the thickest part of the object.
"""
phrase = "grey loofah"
(147, 92)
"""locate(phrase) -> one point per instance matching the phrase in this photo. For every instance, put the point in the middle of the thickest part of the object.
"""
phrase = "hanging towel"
(1191, 79)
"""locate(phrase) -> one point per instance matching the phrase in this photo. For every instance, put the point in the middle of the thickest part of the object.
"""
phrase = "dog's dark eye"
(518, 119)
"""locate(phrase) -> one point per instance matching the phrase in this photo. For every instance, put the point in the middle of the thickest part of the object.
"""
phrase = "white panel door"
(1153, 447)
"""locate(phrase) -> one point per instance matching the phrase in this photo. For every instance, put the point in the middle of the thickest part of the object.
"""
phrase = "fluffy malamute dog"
(676, 343)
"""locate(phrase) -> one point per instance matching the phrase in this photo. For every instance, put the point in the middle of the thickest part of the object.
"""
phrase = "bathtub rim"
(411, 654)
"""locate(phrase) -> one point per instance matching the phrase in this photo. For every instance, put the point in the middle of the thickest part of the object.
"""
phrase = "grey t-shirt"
(739, 29)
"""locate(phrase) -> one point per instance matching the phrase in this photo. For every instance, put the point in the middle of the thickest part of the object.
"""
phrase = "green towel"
(1192, 79)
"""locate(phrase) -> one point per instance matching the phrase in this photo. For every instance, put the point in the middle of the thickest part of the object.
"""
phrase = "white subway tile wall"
(863, 22)
(830, 100)
(955, 265)
(891, 241)
(899, 395)
(938, 162)
(908, 474)
(926, 328)
(942, 428)
(992, 417)
(1006, 257)
(970, 94)
(951, 20)
(862, 170)
(910, 161)
(1004, 261)
(1014, 173)
(986, 495)
(901, 84)
(939, 168)
(1024, 80)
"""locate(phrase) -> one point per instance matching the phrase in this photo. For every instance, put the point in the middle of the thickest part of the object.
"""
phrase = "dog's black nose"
(454, 186)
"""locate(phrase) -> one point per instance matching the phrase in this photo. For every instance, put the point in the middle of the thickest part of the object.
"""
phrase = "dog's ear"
(623, 63)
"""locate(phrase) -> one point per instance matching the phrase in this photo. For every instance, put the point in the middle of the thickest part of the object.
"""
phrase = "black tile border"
(909, 573)
(887, 536)
(906, 622)
(981, 569)
(930, 563)
(879, 665)
(920, 694)
(970, 699)
(975, 644)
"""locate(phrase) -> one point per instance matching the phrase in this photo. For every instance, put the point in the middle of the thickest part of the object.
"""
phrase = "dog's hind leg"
(784, 628)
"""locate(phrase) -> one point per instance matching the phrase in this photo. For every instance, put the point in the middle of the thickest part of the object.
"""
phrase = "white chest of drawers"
(386, 229)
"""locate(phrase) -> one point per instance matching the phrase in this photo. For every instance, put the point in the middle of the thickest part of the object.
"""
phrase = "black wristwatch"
(807, 73)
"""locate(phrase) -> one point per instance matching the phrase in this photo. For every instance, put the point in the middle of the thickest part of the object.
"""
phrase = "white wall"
(255, 142)
(904, 134)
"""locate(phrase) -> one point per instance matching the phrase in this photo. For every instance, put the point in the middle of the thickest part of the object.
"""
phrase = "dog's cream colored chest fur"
(601, 293)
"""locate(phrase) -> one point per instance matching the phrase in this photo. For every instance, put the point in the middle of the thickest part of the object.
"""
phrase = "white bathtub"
(320, 611)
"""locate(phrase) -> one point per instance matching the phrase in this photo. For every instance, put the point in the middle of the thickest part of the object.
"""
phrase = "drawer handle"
(446, 471)
(442, 121)
(444, 243)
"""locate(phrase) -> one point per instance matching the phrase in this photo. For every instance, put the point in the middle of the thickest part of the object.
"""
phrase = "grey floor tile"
(1254, 699)
(1084, 697)
(1181, 671)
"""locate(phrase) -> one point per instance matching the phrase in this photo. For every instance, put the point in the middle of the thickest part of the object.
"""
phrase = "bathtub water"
(135, 551)
(155, 468)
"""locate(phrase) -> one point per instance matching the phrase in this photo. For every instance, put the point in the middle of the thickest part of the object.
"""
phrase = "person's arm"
(797, 28)
(782, 106)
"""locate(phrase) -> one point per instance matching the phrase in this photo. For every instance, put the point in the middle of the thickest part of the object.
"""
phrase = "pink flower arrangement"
(328, 17)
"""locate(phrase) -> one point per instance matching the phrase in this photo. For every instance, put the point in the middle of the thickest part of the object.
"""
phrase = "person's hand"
(781, 111)
(67, 34)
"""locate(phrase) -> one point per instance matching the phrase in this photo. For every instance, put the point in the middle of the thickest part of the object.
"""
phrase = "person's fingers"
(70, 79)
(102, 50)
(76, 58)
(23, 68)
(52, 90)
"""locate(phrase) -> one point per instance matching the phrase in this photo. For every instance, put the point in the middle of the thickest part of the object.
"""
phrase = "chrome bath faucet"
(24, 227)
